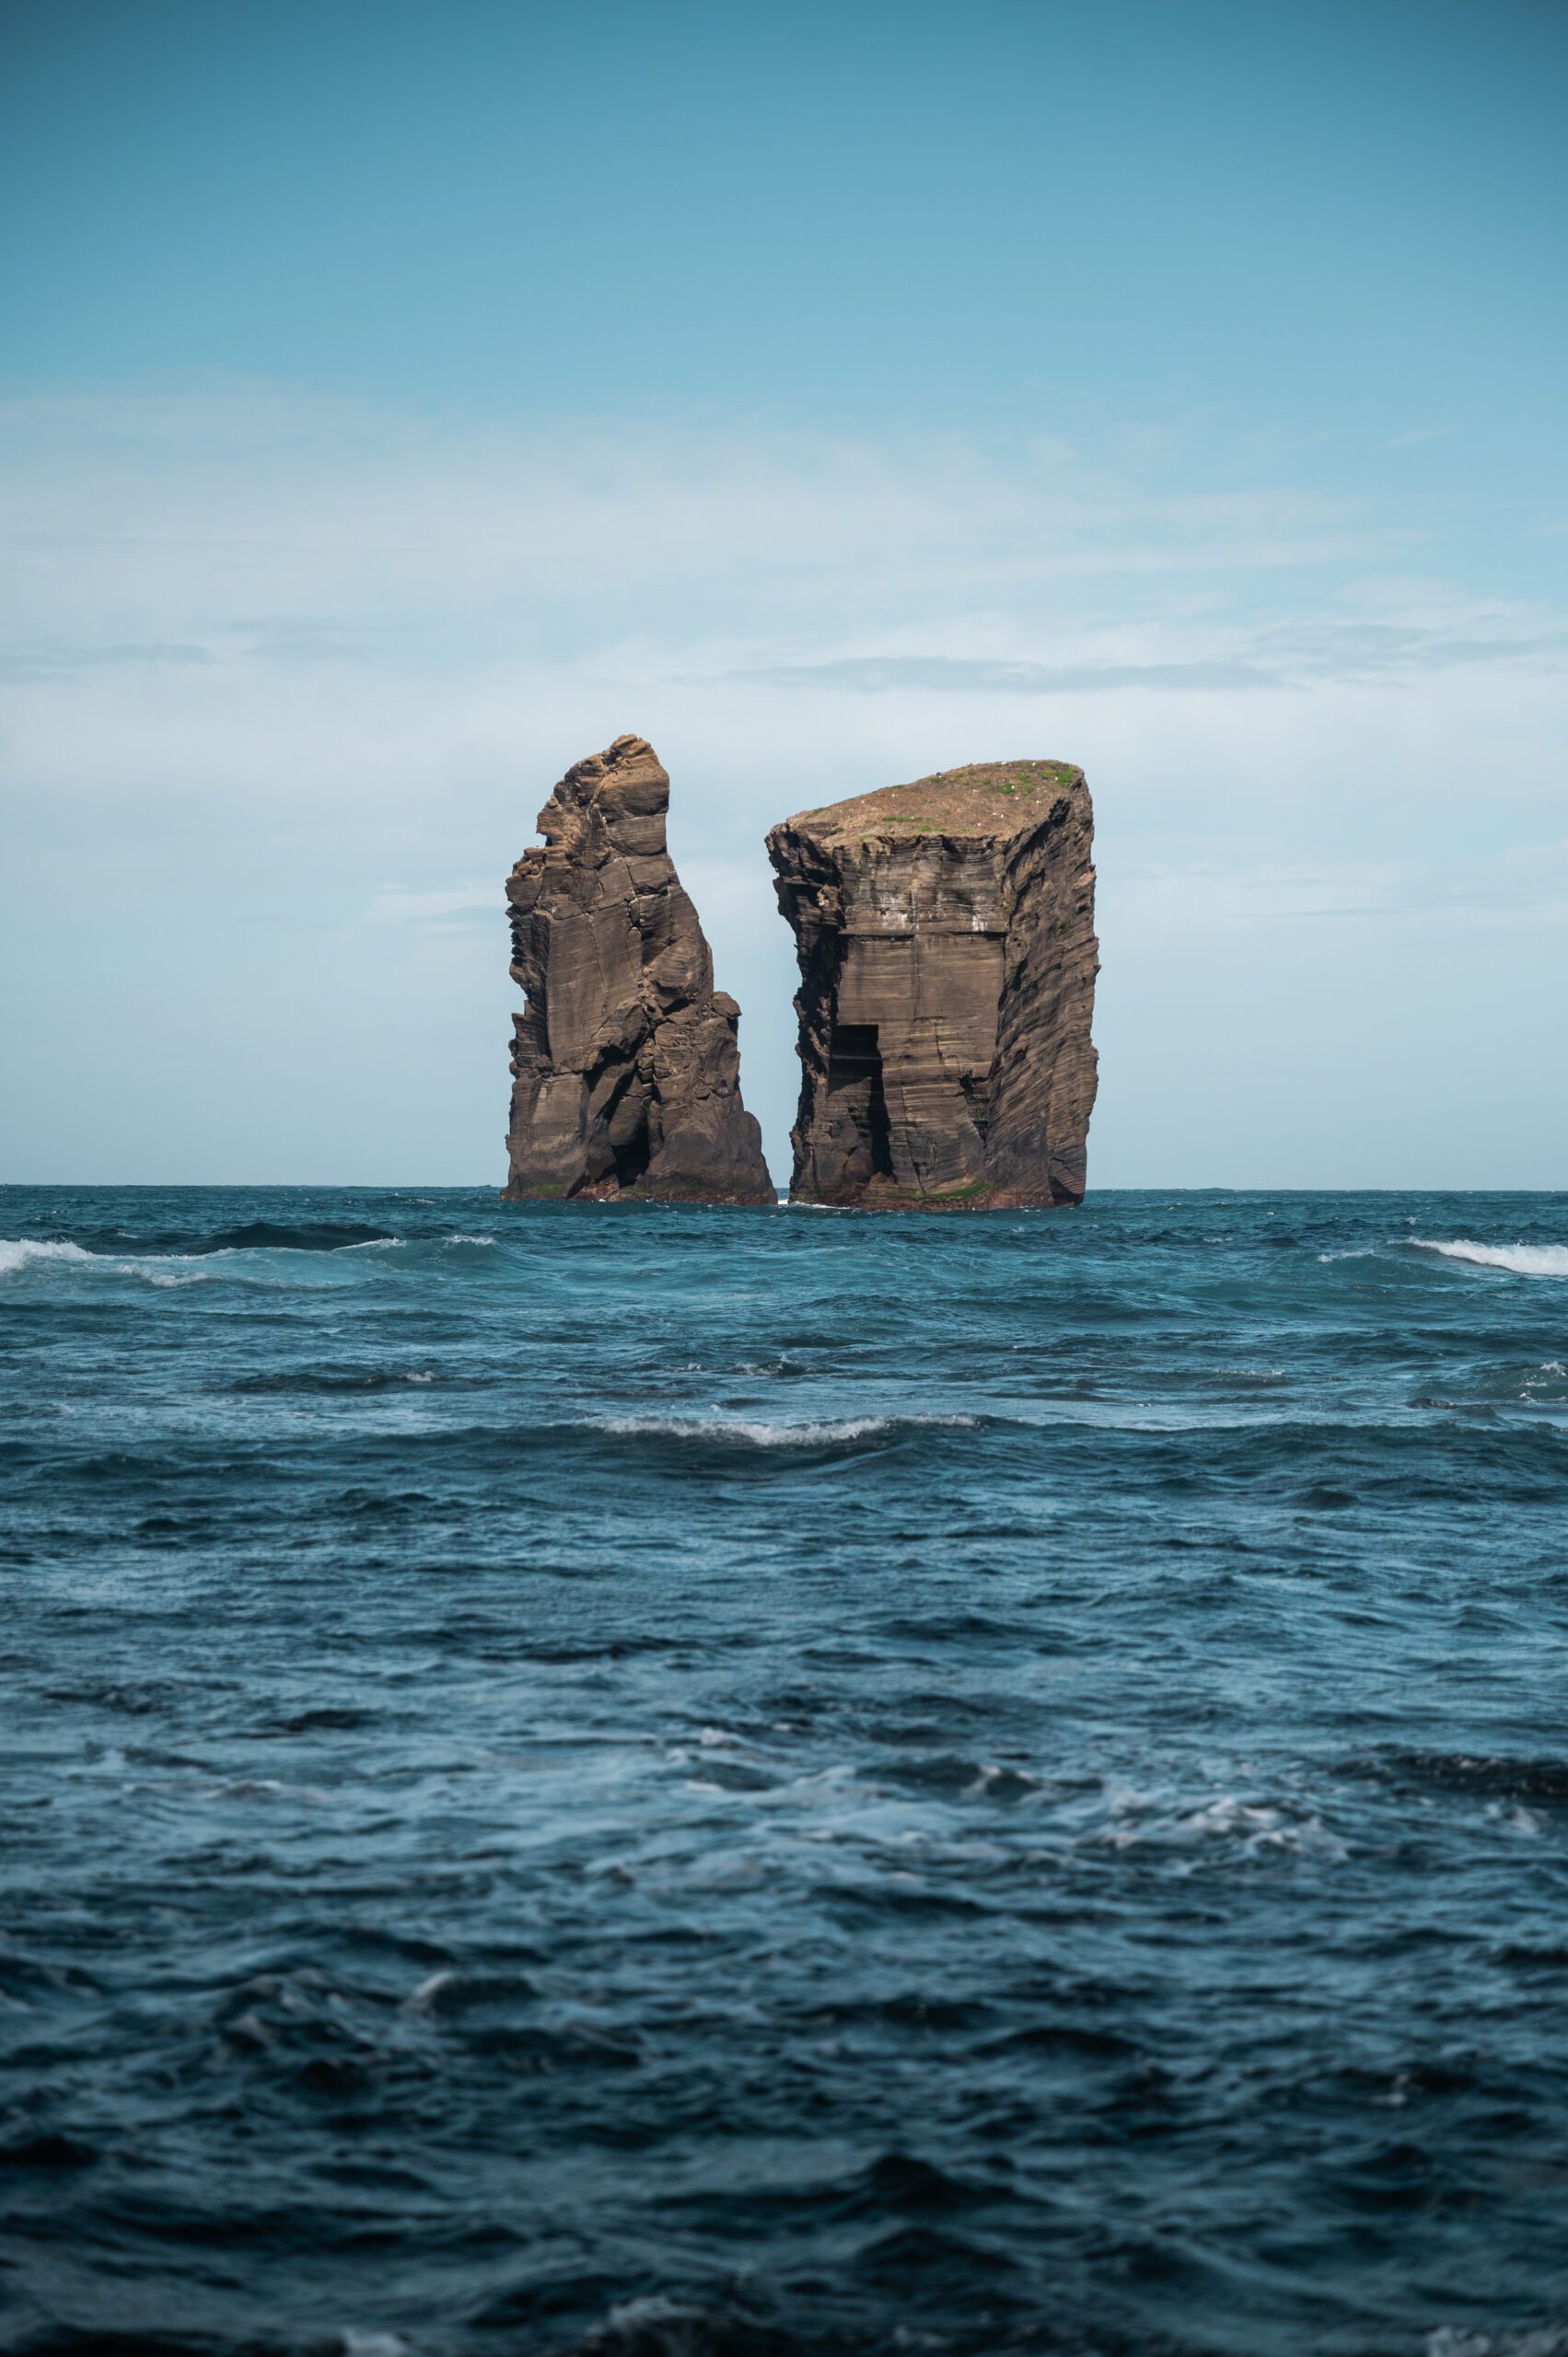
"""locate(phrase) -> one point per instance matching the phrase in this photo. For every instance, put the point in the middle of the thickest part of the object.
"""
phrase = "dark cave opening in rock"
(632, 1157)
(855, 1085)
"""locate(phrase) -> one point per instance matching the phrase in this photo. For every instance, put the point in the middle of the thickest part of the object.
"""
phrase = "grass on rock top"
(982, 798)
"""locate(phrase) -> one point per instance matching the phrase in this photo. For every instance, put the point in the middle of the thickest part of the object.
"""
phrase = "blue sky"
(399, 402)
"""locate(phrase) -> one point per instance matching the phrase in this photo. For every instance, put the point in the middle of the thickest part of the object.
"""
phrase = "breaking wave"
(17, 1254)
(21, 1252)
(1518, 1259)
(154, 1259)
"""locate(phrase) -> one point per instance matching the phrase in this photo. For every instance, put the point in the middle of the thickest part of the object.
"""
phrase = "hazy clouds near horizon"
(826, 409)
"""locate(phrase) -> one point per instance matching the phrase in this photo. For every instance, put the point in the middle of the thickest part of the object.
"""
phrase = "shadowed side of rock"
(947, 954)
(625, 1060)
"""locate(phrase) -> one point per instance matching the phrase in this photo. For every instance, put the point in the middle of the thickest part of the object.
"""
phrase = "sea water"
(640, 1780)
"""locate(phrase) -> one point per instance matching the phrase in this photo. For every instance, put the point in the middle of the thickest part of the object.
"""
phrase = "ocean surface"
(663, 1783)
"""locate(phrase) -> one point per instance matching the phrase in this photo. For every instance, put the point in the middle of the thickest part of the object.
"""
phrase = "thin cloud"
(1300, 657)
(949, 675)
(1417, 434)
(322, 522)
(1369, 650)
(397, 905)
(58, 659)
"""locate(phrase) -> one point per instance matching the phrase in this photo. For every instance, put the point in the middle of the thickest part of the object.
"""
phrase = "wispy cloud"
(1416, 436)
(951, 675)
(1186, 900)
(396, 904)
(294, 523)
(61, 659)
(266, 591)
(1294, 658)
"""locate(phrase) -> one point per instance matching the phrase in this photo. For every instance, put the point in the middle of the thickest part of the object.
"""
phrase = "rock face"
(947, 960)
(627, 1072)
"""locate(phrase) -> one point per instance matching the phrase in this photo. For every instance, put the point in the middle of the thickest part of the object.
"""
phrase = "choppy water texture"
(646, 1781)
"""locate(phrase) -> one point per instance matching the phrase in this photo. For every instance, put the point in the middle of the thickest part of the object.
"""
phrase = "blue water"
(655, 1782)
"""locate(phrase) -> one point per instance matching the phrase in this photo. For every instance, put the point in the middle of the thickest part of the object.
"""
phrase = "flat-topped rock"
(986, 798)
(625, 1058)
(944, 931)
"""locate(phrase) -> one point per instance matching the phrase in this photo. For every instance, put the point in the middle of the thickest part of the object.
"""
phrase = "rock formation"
(948, 961)
(627, 1072)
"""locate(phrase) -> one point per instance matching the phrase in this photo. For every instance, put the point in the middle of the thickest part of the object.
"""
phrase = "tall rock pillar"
(626, 1067)
(947, 954)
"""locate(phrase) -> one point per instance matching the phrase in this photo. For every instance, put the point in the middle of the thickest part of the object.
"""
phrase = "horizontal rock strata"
(947, 960)
(627, 1072)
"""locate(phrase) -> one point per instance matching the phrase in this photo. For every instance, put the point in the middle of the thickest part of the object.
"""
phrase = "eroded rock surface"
(947, 960)
(625, 1060)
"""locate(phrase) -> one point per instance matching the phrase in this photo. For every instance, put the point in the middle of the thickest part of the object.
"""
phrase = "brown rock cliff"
(947, 961)
(627, 1073)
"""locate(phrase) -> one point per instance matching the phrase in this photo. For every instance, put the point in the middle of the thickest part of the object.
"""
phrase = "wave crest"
(21, 1252)
(1518, 1259)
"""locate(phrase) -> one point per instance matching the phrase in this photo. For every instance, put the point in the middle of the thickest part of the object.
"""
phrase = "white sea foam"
(460, 1238)
(17, 1253)
(1142, 1820)
(1459, 2340)
(753, 1435)
(1519, 1259)
(424, 1996)
(766, 1435)
(168, 1269)
(20, 1252)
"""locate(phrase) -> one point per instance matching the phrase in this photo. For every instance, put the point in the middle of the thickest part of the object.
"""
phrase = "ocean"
(674, 1783)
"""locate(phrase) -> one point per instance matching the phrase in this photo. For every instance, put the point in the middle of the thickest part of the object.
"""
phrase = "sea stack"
(625, 1060)
(946, 932)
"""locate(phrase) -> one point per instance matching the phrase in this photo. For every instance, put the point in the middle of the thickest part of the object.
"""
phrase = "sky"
(399, 402)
